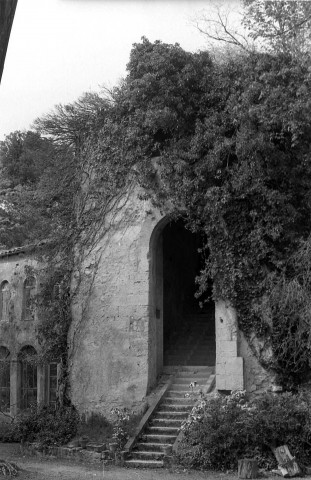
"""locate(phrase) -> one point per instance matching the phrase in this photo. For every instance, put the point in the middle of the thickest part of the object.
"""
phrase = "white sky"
(59, 49)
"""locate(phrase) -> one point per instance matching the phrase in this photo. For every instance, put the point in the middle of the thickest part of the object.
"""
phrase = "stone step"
(144, 463)
(177, 393)
(166, 422)
(203, 358)
(186, 380)
(180, 400)
(171, 414)
(197, 368)
(181, 387)
(153, 447)
(154, 430)
(158, 438)
(146, 455)
(173, 407)
(185, 401)
(202, 370)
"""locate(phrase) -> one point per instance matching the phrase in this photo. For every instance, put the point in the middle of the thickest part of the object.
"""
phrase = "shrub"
(120, 426)
(46, 426)
(96, 427)
(224, 428)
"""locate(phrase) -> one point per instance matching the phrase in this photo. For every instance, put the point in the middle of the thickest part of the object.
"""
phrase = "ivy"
(225, 146)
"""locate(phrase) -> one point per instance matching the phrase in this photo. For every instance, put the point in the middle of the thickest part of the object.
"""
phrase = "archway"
(184, 332)
(188, 328)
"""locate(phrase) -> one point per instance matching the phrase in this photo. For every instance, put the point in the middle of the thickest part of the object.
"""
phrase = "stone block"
(229, 375)
(221, 382)
(227, 348)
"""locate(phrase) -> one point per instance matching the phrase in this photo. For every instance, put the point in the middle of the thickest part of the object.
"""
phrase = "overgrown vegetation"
(44, 425)
(222, 429)
(224, 145)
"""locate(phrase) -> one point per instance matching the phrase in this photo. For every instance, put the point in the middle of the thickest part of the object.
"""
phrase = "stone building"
(134, 314)
(22, 381)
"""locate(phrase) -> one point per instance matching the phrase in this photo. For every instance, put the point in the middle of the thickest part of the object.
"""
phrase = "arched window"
(29, 298)
(5, 300)
(4, 379)
(28, 377)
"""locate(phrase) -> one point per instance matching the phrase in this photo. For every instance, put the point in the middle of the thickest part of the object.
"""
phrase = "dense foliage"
(36, 189)
(225, 428)
(224, 145)
(45, 426)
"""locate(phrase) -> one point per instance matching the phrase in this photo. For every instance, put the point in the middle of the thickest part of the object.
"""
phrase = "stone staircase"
(163, 427)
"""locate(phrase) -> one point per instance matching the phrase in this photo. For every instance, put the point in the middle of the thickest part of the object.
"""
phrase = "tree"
(24, 156)
(36, 195)
(240, 172)
(281, 26)
(232, 142)
(71, 124)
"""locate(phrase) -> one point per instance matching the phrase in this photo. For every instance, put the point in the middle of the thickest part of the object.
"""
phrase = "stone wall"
(229, 366)
(236, 366)
(112, 360)
(256, 379)
(116, 336)
(16, 331)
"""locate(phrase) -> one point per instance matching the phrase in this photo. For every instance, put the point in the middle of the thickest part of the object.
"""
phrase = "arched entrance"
(184, 332)
(188, 329)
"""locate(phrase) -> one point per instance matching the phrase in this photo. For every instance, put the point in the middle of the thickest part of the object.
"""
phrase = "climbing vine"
(226, 147)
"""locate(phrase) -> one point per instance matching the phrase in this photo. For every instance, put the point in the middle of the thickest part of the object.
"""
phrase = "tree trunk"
(287, 463)
(247, 468)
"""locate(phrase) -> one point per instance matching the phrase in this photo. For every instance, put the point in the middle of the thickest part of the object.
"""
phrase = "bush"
(95, 427)
(223, 429)
(46, 426)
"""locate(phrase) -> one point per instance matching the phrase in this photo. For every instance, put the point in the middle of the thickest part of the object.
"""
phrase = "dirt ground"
(35, 468)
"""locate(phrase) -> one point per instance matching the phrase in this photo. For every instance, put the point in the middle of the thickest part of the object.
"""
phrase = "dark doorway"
(188, 329)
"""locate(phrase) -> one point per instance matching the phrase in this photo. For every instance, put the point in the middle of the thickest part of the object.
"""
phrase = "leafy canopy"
(231, 145)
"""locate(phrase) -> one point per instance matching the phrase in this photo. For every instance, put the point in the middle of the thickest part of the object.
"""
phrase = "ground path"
(35, 468)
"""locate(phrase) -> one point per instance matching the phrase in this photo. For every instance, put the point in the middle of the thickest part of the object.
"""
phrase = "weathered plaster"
(112, 357)
(229, 366)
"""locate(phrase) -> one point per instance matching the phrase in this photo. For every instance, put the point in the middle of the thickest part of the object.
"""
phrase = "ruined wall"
(236, 366)
(111, 359)
(15, 332)
(256, 379)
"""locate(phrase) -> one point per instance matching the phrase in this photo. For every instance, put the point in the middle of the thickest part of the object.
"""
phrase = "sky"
(59, 49)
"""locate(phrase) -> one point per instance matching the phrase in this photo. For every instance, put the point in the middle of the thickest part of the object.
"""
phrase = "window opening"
(5, 299)
(28, 373)
(29, 298)
(4, 379)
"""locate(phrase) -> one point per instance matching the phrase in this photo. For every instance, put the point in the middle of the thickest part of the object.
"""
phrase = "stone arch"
(28, 377)
(166, 234)
(5, 295)
(5, 383)
(156, 301)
